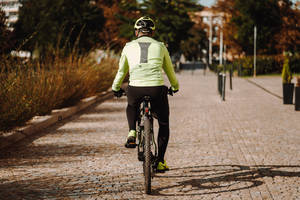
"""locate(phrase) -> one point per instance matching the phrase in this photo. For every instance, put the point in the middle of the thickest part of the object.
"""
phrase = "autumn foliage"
(278, 26)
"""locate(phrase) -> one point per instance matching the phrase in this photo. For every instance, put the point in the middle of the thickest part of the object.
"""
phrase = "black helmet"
(144, 24)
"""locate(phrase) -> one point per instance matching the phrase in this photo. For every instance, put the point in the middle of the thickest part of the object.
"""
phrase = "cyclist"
(145, 59)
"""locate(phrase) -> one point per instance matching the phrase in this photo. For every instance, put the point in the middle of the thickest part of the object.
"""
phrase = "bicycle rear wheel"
(147, 152)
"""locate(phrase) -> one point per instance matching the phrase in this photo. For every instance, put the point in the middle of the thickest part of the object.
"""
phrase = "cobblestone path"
(247, 147)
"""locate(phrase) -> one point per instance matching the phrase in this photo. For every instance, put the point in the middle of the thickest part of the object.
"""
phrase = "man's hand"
(171, 91)
(118, 93)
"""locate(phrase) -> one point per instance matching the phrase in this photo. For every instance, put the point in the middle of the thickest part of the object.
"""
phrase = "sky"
(207, 3)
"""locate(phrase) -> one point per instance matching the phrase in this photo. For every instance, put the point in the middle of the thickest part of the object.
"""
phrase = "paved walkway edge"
(261, 87)
(39, 123)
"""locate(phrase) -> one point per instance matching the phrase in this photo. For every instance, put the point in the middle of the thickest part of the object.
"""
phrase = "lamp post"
(221, 46)
(210, 41)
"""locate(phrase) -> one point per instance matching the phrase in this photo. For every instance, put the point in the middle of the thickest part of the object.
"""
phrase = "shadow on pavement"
(42, 154)
(92, 114)
(204, 180)
(184, 182)
(69, 187)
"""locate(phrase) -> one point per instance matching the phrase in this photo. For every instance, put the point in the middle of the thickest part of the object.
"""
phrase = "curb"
(39, 123)
(261, 87)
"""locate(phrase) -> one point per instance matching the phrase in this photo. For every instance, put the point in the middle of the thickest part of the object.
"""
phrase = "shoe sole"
(161, 171)
(130, 145)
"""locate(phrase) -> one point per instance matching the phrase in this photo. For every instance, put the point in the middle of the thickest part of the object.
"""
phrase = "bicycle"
(146, 146)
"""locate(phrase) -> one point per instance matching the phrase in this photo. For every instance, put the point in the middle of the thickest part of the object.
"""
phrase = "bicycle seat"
(147, 98)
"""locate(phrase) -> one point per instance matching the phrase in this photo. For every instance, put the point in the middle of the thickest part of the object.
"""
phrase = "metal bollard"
(220, 83)
(297, 98)
(230, 76)
(223, 86)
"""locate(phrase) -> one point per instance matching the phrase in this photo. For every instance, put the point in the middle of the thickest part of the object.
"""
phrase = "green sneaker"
(132, 133)
(162, 167)
(166, 166)
(130, 143)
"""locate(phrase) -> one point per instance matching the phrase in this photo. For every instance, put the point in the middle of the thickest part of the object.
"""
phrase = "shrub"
(298, 82)
(243, 66)
(265, 65)
(294, 62)
(286, 72)
(35, 88)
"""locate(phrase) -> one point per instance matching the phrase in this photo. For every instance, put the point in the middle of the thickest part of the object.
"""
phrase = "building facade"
(213, 21)
(11, 9)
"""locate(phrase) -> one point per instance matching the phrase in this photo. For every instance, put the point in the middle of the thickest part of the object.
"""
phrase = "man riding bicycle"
(145, 59)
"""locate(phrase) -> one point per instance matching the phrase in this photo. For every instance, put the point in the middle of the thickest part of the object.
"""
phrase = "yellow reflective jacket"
(145, 59)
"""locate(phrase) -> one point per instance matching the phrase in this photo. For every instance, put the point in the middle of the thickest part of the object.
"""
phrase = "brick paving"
(247, 147)
(271, 84)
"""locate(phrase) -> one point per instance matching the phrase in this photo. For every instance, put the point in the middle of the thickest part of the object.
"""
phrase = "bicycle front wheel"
(147, 152)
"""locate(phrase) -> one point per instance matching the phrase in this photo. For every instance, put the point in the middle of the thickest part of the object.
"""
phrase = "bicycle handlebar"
(170, 92)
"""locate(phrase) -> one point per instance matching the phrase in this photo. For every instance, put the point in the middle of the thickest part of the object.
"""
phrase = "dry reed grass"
(34, 88)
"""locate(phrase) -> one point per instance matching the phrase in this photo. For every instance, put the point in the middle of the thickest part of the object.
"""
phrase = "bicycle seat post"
(147, 98)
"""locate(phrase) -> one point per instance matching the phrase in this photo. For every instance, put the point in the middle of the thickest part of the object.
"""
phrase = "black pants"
(159, 104)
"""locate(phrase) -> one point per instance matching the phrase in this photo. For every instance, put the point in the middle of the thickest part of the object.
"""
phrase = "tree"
(118, 28)
(244, 15)
(63, 24)
(288, 39)
(229, 28)
(265, 15)
(6, 42)
(171, 17)
(132, 11)
(197, 41)
(172, 20)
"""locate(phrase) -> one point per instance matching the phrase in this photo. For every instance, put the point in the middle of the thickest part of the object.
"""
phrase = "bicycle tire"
(147, 152)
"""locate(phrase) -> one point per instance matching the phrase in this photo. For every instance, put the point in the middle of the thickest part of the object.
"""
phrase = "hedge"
(264, 65)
